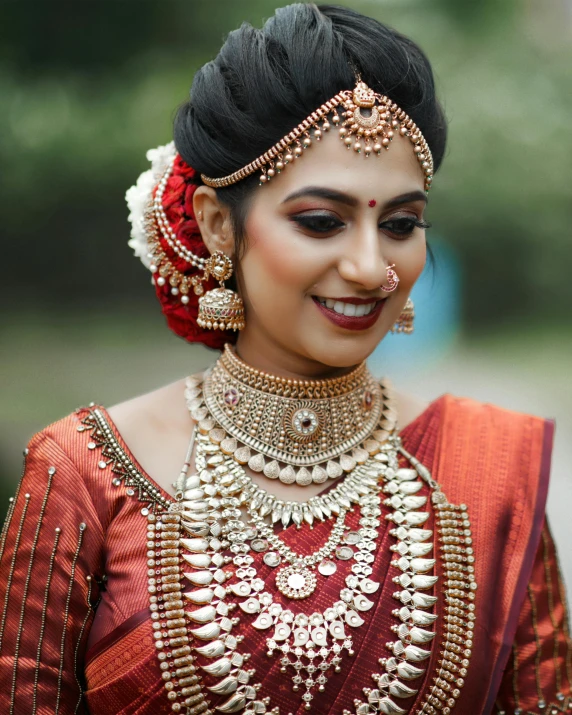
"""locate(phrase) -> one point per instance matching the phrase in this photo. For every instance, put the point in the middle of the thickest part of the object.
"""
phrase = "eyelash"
(310, 222)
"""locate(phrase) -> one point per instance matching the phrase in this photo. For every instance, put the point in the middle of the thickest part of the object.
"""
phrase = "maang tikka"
(220, 308)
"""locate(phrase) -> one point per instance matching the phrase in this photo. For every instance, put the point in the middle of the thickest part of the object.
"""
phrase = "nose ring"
(392, 279)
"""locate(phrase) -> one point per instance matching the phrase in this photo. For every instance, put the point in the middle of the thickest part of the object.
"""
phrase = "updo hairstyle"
(261, 85)
(264, 82)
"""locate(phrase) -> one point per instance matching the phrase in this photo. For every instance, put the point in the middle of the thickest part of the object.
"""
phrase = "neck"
(280, 361)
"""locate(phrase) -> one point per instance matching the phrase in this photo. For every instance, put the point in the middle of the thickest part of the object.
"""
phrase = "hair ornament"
(166, 237)
(367, 123)
(164, 230)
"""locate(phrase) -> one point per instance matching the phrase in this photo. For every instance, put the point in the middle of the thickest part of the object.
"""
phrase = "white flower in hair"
(139, 195)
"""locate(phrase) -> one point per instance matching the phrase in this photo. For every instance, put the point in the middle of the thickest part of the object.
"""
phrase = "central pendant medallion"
(303, 423)
(296, 582)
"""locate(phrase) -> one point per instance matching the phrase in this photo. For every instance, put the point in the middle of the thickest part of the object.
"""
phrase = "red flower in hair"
(178, 205)
(183, 169)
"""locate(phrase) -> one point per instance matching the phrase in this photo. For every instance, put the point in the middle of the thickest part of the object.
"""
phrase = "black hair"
(264, 82)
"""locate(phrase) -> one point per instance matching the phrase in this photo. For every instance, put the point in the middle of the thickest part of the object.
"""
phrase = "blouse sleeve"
(50, 555)
(538, 677)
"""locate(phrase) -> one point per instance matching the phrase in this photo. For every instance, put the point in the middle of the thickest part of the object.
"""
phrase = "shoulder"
(158, 412)
(490, 433)
(155, 429)
(470, 413)
(409, 407)
(497, 455)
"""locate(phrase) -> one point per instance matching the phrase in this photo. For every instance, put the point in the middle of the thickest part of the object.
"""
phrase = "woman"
(328, 545)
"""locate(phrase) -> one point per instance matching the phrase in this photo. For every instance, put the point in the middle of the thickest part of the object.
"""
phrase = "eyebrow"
(321, 192)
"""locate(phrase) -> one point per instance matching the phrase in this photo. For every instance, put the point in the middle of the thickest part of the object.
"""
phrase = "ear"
(213, 218)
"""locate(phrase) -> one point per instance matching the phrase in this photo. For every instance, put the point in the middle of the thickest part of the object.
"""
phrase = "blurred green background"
(87, 87)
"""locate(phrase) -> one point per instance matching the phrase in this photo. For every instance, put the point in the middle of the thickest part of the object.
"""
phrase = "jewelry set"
(225, 536)
(367, 122)
(235, 544)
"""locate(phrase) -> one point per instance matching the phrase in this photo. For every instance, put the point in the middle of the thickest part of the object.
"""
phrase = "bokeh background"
(87, 87)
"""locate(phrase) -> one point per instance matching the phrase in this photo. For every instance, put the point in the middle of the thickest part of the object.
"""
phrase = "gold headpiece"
(370, 123)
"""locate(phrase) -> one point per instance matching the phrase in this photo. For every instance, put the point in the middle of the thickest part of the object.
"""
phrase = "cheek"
(275, 257)
(411, 264)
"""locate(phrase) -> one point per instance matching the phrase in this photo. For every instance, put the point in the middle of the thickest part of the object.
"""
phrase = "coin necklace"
(321, 637)
(218, 495)
(311, 644)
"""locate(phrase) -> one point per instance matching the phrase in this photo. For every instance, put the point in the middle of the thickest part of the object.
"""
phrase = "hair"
(264, 82)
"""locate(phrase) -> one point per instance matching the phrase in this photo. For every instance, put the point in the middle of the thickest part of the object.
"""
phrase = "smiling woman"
(284, 533)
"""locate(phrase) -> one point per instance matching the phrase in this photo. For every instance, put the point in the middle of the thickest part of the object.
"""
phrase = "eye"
(318, 222)
(403, 226)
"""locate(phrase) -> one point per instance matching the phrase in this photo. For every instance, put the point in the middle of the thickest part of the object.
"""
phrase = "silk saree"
(76, 634)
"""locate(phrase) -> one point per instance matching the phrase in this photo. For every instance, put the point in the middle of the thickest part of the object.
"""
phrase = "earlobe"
(213, 219)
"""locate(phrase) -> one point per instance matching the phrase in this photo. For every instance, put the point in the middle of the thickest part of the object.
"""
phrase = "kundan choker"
(295, 431)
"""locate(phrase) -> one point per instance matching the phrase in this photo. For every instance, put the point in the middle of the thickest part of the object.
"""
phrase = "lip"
(355, 301)
(352, 322)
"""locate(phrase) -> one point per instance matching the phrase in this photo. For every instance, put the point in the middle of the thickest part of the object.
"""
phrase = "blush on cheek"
(270, 253)
(413, 267)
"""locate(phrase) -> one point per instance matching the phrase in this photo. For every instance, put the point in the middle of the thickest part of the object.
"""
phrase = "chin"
(340, 351)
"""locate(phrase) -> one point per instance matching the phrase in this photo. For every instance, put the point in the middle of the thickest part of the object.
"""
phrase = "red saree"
(75, 628)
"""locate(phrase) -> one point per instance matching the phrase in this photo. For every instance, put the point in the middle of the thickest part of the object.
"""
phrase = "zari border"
(171, 633)
(102, 437)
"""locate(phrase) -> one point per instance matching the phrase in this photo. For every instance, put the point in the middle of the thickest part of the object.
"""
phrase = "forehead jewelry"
(367, 122)
(371, 203)
(392, 280)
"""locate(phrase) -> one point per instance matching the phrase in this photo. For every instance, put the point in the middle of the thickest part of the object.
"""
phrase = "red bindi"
(371, 203)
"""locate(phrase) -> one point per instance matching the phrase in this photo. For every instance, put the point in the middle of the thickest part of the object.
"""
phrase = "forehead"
(329, 163)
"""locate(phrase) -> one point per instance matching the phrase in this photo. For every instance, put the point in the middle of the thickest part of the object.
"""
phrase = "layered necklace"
(223, 528)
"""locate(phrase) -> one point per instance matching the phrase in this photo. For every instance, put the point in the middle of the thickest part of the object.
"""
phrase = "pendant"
(327, 567)
(296, 582)
(271, 558)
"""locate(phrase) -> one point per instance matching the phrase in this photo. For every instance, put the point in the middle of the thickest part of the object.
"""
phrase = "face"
(319, 239)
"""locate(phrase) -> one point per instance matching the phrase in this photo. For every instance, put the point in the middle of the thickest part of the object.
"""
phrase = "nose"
(362, 261)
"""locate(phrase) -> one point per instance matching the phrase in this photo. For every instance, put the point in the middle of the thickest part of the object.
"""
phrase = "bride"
(284, 532)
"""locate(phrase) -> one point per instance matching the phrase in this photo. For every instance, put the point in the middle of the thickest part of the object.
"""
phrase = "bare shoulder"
(159, 409)
(409, 407)
(156, 427)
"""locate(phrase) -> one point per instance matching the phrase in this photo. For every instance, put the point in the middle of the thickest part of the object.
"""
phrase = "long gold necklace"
(299, 431)
(192, 540)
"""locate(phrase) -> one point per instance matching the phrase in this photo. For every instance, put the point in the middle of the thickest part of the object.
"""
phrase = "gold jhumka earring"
(220, 308)
(404, 324)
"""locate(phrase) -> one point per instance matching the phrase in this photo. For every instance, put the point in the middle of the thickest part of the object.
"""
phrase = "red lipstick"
(352, 322)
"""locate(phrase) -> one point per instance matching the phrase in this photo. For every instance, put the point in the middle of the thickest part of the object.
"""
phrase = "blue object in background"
(437, 299)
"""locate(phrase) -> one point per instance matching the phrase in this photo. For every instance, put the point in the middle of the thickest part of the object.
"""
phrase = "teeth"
(349, 309)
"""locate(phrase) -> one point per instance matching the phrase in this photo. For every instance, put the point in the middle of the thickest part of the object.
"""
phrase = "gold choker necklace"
(296, 430)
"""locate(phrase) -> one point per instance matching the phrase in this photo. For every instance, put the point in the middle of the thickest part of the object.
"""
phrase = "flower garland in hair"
(178, 205)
